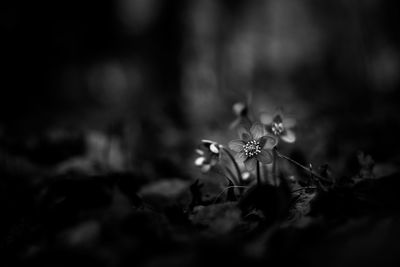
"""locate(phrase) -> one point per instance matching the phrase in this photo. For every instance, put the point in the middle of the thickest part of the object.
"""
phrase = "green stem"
(232, 158)
(300, 166)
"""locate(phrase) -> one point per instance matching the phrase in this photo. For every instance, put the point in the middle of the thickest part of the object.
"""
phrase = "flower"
(254, 145)
(279, 125)
(209, 155)
(241, 111)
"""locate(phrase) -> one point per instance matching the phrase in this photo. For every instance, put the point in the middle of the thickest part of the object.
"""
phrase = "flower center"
(252, 148)
(277, 128)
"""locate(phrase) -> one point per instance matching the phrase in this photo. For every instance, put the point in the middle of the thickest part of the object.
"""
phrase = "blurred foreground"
(104, 102)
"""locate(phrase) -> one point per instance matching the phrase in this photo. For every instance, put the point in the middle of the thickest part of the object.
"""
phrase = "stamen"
(252, 148)
(277, 128)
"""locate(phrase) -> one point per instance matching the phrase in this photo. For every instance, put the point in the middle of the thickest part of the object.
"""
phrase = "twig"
(274, 168)
(229, 171)
(301, 166)
(223, 175)
(229, 187)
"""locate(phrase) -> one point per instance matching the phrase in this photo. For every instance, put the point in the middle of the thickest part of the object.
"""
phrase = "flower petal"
(250, 164)
(240, 122)
(257, 130)
(288, 136)
(214, 148)
(264, 156)
(278, 118)
(246, 175)
(214, 161)
(241, 156)
(279, 114)
(289, 122)
(239, 109)
(244, 122)
(200, 152)
(244, 134)
(262, 141)
(234, 124)
(199, 161)
(207, 142)
(266, 118)
(268, 141)
(205, 168)
(236, 145)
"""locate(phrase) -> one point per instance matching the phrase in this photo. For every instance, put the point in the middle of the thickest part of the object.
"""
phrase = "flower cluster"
(242, 117)
(254, 145)
(279, 125)
(209, 154)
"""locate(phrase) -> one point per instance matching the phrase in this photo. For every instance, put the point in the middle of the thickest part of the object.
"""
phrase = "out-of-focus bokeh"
(134, 84)
(103, 103)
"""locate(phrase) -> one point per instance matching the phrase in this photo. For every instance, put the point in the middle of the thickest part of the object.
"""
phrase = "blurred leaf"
(271, 200)
(166, 192)
(219, 218)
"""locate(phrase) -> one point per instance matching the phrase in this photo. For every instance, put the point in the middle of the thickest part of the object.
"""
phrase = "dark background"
(125, 89)
(171, 70)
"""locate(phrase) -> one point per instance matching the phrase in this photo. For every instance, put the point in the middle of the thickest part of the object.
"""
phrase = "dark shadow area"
(104, 103)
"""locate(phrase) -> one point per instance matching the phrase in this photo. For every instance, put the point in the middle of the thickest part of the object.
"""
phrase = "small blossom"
(246, 176)
(209, 154)
(254, 145)
(279, 125)
(240, 110)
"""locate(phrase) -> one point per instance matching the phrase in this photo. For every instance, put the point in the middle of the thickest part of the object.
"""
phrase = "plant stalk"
(258, 174)
(232, 158)
(274, 167)
(300, 166)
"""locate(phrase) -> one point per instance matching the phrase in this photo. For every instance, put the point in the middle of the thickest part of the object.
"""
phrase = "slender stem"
(274, 169)
(258, 174)
(232, 158)
(311, 172)
(265, 173)
(300, 166)
(223, 175)
(229, 171)
(226, 188)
